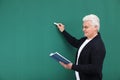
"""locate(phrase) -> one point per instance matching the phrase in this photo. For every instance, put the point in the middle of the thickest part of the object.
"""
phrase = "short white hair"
(95, 20)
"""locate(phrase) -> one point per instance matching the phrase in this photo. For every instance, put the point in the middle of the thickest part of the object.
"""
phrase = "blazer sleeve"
(72, 40)
(95, 67)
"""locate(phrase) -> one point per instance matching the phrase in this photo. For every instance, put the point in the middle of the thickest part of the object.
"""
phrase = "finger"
(59, 24)
(62, 63)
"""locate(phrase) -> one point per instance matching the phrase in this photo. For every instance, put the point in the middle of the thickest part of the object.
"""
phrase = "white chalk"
(56, 23)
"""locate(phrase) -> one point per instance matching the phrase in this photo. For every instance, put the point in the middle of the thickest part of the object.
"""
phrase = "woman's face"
(88, 29)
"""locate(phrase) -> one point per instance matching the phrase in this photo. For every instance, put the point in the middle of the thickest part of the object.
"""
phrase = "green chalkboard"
(28, 36)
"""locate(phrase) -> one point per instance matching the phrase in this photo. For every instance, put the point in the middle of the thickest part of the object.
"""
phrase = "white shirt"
(79, 51)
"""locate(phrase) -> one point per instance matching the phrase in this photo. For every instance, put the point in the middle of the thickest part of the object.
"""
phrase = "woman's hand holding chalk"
(60, 26)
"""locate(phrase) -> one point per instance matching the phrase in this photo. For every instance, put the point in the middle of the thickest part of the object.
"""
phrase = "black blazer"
(91, 58)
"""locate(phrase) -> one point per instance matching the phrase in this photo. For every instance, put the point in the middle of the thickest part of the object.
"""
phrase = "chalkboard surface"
(28, 36)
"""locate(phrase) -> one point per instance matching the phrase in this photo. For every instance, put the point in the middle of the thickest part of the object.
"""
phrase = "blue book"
(59, 57)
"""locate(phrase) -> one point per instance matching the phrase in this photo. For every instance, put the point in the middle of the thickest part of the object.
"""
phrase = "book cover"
(59, 57)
